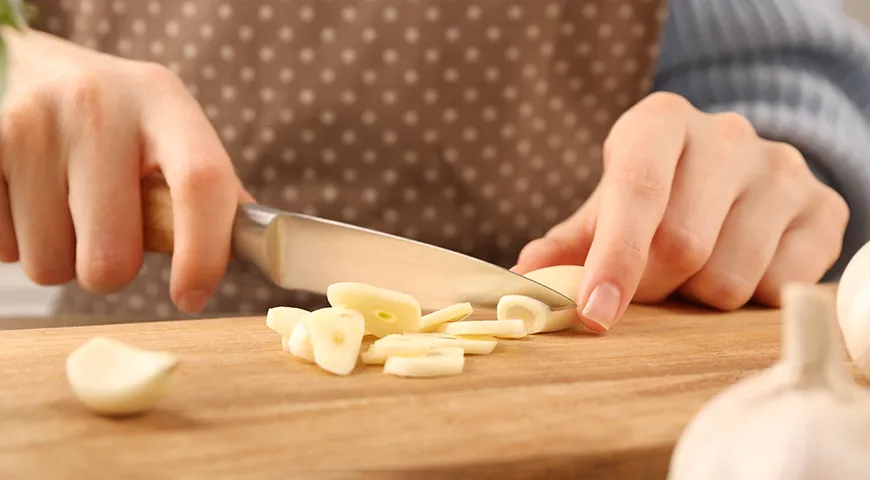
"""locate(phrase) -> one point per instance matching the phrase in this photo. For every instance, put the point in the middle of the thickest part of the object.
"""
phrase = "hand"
(78, 130)
(695, 204)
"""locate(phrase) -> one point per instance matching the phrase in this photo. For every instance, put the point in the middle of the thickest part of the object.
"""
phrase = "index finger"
(203, 187)
(641, 156)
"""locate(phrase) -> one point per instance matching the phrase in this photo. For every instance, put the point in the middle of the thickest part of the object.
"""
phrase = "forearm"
(797, 70)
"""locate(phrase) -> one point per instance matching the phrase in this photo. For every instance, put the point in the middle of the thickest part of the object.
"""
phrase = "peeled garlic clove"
(566, 280)
(803, 418)
(283, 320)
(497, 328)
(453, 313)
(534, 313)
(113, 378)
(436, 363)
(299, 344)
(853, 308)
(385, 311)
(472, 344)
(336, 337)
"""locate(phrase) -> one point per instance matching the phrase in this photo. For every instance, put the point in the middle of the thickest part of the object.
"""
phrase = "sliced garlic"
(453, 313)
(497, 328)
(283, 320)
(285, 344)
(439, 362)
(472, 344)
(566, 280)
(385, 311)
(113, 378)
(336, 335)
(299, 344)
(377, 353)
(534, 313)
(802, 418)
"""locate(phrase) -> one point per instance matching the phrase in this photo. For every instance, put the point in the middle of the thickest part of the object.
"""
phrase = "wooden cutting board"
(565, 405)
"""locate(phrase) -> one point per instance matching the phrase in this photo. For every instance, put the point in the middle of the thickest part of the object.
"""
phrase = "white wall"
(18, 296)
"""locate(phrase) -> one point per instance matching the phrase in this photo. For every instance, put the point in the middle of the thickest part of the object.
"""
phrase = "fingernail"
(602, 306)
(193, 302)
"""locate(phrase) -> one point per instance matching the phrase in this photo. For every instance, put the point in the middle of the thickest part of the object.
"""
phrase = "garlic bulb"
(853, 308)
(804, 418)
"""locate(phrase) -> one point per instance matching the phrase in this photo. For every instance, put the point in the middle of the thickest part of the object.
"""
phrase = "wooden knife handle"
(158, 232)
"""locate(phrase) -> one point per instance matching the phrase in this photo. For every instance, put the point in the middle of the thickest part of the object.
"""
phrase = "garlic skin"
(803, 418)
(853, 308)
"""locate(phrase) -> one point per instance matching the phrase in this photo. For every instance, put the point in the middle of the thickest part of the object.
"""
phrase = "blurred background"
(20, 297)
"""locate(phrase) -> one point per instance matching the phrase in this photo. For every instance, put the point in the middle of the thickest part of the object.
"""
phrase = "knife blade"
(303, 252)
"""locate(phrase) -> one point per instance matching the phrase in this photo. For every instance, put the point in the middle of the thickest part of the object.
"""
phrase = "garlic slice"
(336, 335)
(282, 320)
(299, 344)
(472, 344)
(377, 353)
(534, 313)
(285, 344)
(439, 362)
(385, 311)
(113, 378)
(497, 328)
(803, 418)
(453, 313)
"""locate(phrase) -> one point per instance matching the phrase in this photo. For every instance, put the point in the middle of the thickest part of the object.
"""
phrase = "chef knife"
(302, 252)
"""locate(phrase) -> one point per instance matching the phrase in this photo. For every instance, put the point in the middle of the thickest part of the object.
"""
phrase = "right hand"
(78, 131)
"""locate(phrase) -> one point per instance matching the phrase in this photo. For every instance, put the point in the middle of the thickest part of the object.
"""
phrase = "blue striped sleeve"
(799, 70)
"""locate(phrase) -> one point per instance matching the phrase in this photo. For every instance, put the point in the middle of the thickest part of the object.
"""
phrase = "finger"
(103, 175)
(641, 155)
(749, 239)
(8, 245)
(179, 139)
(37, 193)
(808, 249)
(565, 244)
(712, 174)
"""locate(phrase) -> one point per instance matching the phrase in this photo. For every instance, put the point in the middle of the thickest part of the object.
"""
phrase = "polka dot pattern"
(471, 125)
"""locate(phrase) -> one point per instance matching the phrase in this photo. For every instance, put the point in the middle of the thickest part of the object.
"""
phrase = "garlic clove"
(453, 313)
(385, 311)
(566, 280)
(803, 418)
(282, 320)
(855, 326)
(439, 362)
(285, 344)
(299, 344)
(514, 328)
(113, 378)
(854, 277)
(336, 335)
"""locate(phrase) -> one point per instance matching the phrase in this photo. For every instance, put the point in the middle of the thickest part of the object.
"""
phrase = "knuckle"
(641, 180)
(82, 93)
(836, 209)
(156, 74)
(48, 272)
(681, 249)
(732, 125)
(109, 271)
(723, 291)
(666, 103)
(786, 162)
(21, 119)
(202, 173)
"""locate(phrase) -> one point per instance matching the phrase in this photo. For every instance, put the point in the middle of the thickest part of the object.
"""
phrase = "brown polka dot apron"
(472, 125)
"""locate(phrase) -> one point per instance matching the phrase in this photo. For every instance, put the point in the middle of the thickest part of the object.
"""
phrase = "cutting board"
(563, 405)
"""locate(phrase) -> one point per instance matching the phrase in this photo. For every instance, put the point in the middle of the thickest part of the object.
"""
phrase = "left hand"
(695, 204)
